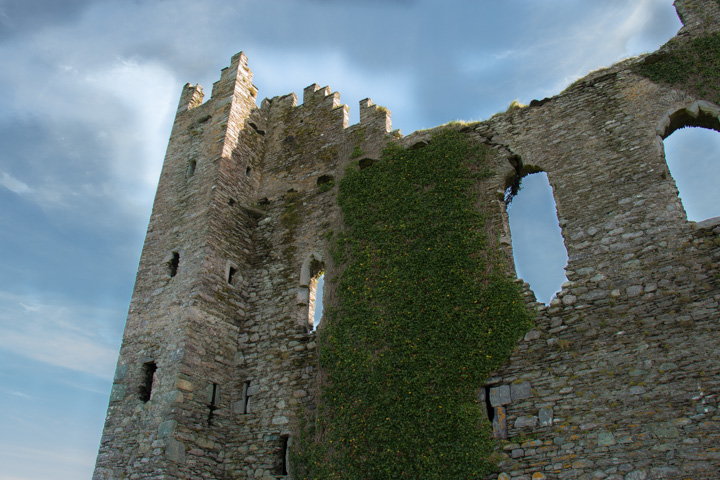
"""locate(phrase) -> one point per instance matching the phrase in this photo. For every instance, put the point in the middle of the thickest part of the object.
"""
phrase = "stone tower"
(617, 380)
(217, 350)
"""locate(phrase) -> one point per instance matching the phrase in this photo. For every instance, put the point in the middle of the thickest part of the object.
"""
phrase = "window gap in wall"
(146, 385)
(538, 245)
(693, 158)
(318, 306)
(488, 405)
(246, 398)
(173, 264)
(212, 407)
(284, 441)
(192, 164)
(231, 275)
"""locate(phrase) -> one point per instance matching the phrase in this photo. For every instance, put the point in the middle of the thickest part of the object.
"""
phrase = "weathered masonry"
(618, 379)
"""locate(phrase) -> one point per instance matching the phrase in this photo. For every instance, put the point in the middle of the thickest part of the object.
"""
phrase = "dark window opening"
(146, 385)
(366, 162)
(246, 398)
(284, 441)
(231, 275)
(257, 129)
(191, 168)
(248, 170)
(231, 202)
(488, 405)
(174, 263)
(212, 407)
(537, 243)
(324, 179)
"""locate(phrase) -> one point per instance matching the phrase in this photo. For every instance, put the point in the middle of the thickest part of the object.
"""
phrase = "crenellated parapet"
(372, 115)
(191, 97)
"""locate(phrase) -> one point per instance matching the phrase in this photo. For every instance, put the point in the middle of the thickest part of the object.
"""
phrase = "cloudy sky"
(90, 91)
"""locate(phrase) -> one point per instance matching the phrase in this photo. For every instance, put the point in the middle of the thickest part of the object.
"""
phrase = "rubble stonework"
(618, 379)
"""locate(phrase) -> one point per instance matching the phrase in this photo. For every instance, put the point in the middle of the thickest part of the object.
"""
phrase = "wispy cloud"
(62, 335)
(14, 185)
(20, 394)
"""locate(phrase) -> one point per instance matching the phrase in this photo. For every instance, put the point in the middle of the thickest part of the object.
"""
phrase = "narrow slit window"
(173, 264)
(192, 164)
(316, 300)
(246, 397)
(284, 442)
(488, 405)
(537, 242)
(231, 275)
(146, 385)
(212, 406)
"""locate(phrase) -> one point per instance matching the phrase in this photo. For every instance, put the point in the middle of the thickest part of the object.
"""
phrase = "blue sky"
(90, 92)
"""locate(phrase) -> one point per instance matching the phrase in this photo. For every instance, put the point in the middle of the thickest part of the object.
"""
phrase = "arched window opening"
(538, 245)
(192, 165)
(315, 312)
(310, 292)
(693, 157)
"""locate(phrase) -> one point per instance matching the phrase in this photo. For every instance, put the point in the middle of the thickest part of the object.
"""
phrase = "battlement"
(191, 97)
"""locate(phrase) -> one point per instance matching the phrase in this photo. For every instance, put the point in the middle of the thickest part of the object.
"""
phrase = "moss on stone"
(693, 65)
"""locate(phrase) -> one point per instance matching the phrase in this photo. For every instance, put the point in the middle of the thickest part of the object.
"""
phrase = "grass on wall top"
(424, 314)
(693, 65)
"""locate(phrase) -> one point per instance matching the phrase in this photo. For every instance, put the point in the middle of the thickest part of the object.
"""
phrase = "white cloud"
(59, 334)
(14, 185)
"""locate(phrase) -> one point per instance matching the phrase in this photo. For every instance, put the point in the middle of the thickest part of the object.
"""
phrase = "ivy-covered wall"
(693, 65)
(425, 311)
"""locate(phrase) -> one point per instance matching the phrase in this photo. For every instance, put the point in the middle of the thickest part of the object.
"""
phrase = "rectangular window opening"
(246, 398)
(145, 390)
(490, 408)
(284, 441)
(174, 263)
(231, 275)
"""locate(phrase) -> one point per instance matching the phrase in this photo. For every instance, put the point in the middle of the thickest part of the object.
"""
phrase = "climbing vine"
(425, 311)
(694, 64)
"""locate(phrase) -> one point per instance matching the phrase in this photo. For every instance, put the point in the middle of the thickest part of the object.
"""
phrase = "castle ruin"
(618, 378)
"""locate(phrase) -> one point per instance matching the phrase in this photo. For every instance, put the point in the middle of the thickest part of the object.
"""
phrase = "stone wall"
(618, 379)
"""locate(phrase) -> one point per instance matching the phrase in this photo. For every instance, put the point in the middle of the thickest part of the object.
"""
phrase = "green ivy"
(693, 65)
(425, 313)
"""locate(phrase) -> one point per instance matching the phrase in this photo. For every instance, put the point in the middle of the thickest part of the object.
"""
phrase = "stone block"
(118, 393)
(185, 385)
(500, 423)
(500, 395)
(526, 422)
(545, 416)
(606, 439)
(175, 450)
(520, 391)
(120, 373)
(166, 428)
